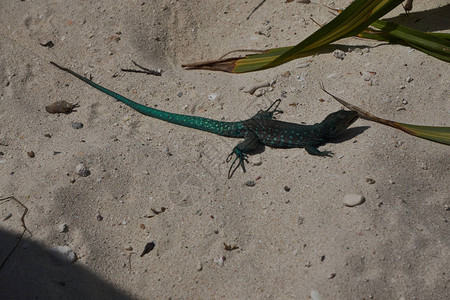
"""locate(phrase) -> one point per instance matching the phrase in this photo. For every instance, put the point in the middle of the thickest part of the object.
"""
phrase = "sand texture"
(279, 231)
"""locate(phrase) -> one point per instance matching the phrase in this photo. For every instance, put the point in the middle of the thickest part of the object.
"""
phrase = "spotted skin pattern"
(261, 129)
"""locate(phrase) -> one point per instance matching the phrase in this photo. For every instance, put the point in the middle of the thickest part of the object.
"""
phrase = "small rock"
(286, 188)
(148, 247)
(409, 79)
(250, 183)
(259, 93)
(339, 54)
(30, 154)
(7, 216)
(99, 217)
(332, 275)
(351, 200)
(219, 261)
(63, 228)
(199, 266)
(60, 107)
(82, 170)
(370, 180)
(256, 161)
(424, 166)
(286, 74)
(128, 248)
(62, 255)
(77, 125)
(212, 97)
(180, 94)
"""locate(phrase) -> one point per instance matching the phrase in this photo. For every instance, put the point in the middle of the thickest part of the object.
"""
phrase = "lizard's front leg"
(250, 143)
(314, 151)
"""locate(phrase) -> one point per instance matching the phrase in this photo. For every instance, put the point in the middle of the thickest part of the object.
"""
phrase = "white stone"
(351, 200)
(62, 255)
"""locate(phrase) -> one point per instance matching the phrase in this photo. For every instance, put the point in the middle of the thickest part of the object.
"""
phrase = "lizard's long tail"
(229, 129)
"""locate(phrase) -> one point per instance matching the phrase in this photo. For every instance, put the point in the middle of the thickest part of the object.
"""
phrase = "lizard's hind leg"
(269, 113)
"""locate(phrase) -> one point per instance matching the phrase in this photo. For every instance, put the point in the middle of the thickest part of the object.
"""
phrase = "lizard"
(260, 130)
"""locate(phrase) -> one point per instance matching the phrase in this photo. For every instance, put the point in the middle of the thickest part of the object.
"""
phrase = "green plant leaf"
(351, 21)
(434, 44)
(432, 133)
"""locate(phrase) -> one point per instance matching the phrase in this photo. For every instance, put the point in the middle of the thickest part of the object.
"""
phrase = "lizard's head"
(336, 123)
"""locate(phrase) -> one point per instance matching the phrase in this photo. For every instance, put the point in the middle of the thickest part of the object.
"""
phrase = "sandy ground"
(295, 238)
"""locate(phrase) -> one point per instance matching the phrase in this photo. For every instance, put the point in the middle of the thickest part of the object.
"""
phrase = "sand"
(294, 237)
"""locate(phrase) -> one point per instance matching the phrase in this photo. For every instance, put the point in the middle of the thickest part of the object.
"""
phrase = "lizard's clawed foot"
(314, 151)
(242, 160)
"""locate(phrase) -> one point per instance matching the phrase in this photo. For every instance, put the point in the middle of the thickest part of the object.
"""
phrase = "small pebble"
(370, 180)
(31, 154)
(424, 166)
(77, 125)
(286, 74)
(352, 200)
(250, 183)
(212, 97)
(199, 266)
(339, 54)
(60, 107)
(128, 248)
(63, 228)
(180, 94)
(409, 79)
(259, 93)
(332, 275)
(256, 161)
(286, 188)
(7, 216)
(142, 226)
(219, 261)
(62, 255)
(99, 217)
(148, 247)
(82, 170)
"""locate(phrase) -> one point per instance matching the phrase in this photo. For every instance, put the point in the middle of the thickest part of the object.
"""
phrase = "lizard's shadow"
(348, 134)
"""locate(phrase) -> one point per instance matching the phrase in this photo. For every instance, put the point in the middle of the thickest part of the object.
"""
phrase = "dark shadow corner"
(29, 274)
